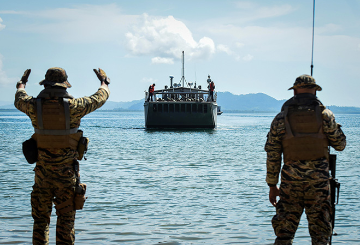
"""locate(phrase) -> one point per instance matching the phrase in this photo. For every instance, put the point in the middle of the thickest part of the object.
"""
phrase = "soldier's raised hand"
(24, 78)
(102, 76)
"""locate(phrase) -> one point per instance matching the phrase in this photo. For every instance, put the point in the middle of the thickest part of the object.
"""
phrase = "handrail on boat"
(198, 94)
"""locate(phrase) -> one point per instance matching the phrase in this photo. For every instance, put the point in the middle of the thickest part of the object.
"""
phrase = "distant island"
(249, 103)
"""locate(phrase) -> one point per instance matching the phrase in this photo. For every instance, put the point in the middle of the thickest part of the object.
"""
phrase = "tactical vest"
(304, 137)
(53, 121)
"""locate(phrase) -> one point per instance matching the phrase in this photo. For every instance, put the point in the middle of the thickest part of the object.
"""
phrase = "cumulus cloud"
(166, 38)
(2, 26)
(224, 48)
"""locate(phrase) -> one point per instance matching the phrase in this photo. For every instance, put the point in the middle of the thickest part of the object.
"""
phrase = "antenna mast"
(182, 71)
(312, 50)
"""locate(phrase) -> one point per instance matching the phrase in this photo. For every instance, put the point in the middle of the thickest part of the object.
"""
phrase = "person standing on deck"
(151, 92)
(55, 116)
(211, 87)
(302, 133)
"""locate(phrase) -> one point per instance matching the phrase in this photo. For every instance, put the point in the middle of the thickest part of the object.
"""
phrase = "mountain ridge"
(256, 102)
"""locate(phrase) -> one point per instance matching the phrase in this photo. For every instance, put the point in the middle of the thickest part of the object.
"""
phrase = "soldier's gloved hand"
(24, 78)
(102, 76)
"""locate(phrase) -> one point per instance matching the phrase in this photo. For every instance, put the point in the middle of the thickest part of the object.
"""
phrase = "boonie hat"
(305, 81)
(56, 76)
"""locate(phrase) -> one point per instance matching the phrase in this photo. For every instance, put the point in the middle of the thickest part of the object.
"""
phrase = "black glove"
(102, 76)
(24, 78)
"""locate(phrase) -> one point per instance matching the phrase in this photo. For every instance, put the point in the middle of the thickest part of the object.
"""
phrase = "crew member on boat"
(151, 92)
(211, 90)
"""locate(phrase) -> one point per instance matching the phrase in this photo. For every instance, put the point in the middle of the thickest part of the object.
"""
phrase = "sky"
(256, 46)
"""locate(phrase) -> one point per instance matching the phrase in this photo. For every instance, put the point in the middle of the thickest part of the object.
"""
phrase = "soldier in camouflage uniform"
(55, 176)
(302, 132)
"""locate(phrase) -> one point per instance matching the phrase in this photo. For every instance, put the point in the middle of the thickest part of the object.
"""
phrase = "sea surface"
(170, 186)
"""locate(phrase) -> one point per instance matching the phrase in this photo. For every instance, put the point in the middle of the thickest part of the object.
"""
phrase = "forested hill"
(248, 102)
(229, 102)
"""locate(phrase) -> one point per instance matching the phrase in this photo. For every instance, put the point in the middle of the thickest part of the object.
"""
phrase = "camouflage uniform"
(304, 183)
(54, 172)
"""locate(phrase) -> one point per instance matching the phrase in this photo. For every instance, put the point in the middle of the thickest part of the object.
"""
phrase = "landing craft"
(180, 106)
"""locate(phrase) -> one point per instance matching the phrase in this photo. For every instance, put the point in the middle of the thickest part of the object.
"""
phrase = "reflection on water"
(170, 186)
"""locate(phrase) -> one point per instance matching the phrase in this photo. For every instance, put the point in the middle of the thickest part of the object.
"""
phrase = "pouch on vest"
(80, 198)
(30, 151)
(82, 147)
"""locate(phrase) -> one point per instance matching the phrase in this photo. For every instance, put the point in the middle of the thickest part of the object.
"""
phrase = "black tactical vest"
(304, 137)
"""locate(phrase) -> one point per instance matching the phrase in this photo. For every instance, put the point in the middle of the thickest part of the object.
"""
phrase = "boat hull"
(185, 114)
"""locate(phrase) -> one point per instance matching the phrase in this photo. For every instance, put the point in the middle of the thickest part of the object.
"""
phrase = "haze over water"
(170, 186)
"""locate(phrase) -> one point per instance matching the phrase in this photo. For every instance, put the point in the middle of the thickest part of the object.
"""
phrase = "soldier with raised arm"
(55, 116)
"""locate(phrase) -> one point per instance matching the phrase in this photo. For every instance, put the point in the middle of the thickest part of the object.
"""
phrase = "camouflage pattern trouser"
(53, 185)
(294, 198)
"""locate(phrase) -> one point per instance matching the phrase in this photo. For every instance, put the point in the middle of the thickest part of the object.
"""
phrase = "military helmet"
(305, 81)
(56, 76)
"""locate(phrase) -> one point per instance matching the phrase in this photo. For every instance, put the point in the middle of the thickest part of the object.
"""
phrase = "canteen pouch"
(30, 151)
(82, 147)
(80, 198)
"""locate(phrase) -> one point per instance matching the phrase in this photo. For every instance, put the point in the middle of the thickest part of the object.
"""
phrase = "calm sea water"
(170, 186)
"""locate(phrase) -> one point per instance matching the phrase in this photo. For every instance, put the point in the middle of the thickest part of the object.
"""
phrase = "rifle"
(334, 184)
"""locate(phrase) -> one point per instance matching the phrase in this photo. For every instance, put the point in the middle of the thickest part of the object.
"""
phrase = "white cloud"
(265, 43)
(245, 5)
(224, 48)
(80, 24)
(160, 60)
(1, 25)
(275, 11)
(4, 79)
(239, 45)
(251, 11)
(167, 38)
(227, 50)
(328, 29)
(248, 57)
